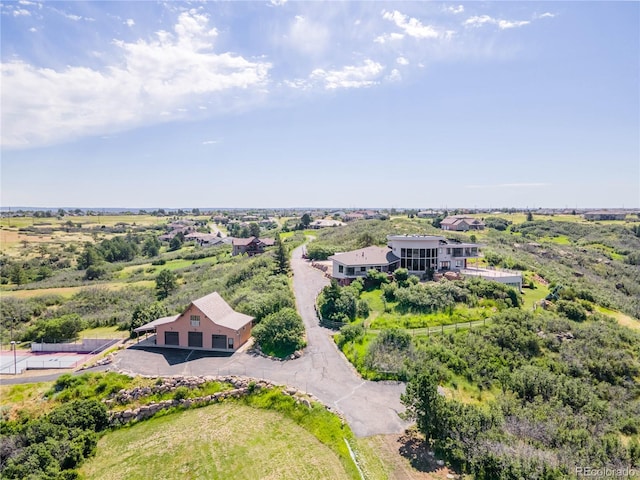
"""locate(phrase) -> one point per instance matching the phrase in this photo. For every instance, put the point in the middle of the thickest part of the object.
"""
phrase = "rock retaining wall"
(242, 386)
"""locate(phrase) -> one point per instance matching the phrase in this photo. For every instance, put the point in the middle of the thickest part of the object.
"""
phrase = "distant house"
(350, 217)
(204, 239)
(251, 246)
(427, 214)
(325, 223)
(208, 323)
(350, 265)
(420, 255)
(460, 223)
(605, 215)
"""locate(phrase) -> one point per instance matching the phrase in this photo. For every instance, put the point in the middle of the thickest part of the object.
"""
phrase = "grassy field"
(621, 318)
(68, 292)
(104, 332)
(220, 441)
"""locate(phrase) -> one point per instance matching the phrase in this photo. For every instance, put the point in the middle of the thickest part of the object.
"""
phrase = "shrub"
(180, 393)
(350, 333)
(280, 333)
(571, 310)
(363, 309)
(95, 272)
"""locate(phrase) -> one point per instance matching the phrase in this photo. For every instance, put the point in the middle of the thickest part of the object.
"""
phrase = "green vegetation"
(280, 333)
(213, 442)
(255, 435)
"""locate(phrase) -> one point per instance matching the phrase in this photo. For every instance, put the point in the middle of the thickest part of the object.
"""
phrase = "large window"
(195, 320)
(419, 259)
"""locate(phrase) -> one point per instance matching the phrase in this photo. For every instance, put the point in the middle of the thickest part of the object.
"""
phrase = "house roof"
(243, 242)
(268, 242)
(152, 325)
(366, 256)
(456, 220)
(220, 312)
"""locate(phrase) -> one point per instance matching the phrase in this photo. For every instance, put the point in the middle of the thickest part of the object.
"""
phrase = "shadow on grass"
(414, 448)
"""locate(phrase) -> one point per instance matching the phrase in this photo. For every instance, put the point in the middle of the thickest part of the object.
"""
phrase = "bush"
(95, 272)
(280, 333)
(350, 333)
(571, 310)
(363, 309)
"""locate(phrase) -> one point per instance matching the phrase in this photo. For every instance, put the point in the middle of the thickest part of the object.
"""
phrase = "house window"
(230, 343)
(195, 320)
(459, 263)
(341, 268)
(350, 270)
(363, 269)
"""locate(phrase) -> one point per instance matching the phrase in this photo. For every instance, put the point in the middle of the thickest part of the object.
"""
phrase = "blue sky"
(312, 104)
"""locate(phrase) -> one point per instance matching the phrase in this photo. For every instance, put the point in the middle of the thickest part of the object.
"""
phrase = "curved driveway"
(370, 407)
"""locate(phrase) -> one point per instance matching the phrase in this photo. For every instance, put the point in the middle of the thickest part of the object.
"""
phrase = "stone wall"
(242, 386)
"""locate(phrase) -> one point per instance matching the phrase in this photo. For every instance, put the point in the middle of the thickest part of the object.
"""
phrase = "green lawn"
(533, 295)
(228, 440)
(104, 332)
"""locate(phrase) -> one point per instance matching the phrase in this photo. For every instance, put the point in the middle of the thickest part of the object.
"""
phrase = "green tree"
(143, 314)
(254, 230)
(95, 272)
(151, 246)
(529, 216)
(17, 274)
(166, 283)
(89, 256)
(282, 256)
(305, 220)
(175, 243)
(280, 333)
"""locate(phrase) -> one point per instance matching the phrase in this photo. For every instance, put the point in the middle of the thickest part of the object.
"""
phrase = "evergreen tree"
(282, 256)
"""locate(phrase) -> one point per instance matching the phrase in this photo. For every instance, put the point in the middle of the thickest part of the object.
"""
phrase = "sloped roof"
(220, 312)
(159, 321)
(366, 256)
(243, 242)
(268, 242)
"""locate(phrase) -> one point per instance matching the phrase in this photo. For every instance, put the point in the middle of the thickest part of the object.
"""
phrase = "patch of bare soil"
(409, 458)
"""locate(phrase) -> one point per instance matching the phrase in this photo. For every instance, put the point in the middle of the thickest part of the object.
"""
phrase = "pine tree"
(282, 256)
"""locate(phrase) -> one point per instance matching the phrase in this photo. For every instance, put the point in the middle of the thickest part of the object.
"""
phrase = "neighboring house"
(204, 239)
(605, 215)
(350, 217)
(325, 223)
(251, 246)
(427, 214)
(421, 254)
(208, 323)
(350, 265)
(460, 223)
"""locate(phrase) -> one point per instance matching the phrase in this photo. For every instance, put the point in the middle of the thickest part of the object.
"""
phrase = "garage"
(195, 339)
(171, 338)
(219, 341)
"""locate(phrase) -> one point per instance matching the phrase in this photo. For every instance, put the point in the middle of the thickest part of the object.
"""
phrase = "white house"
(350, 265)
(423, 253)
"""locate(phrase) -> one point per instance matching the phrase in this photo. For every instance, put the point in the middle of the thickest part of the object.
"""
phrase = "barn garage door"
(219, 341)
(171, 338)
(195, 339)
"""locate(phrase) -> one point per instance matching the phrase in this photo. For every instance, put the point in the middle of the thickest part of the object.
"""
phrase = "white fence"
(88, 345)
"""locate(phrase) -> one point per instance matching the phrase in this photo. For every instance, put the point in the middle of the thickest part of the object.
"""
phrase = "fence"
(88, 345)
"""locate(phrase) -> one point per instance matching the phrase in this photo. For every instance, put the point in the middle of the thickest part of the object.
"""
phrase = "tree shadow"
(414, 448)
(174, 356)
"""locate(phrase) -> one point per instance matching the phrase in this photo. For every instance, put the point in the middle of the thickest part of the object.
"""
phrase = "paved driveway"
(370, 407)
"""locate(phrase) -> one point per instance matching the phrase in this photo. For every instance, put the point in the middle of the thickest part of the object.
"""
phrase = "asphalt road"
(370, 408)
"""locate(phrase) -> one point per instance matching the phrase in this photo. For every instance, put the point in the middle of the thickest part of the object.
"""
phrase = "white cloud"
(481, 20)
(277, 3)
(210, 142)
(33, 29)
(411, 26)
(308, 37)
(388, 37)
(402, 61)
(149, 79)
(394, 76)
(21, 12)
(455, 9)
(547, 15)
(351, 76)
(129, 22)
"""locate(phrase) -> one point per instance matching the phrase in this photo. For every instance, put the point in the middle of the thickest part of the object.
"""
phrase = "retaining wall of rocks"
(242, 386)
